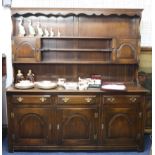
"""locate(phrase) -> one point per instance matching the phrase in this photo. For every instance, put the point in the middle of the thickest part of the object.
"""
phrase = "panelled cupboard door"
(120, 126)
(122, 119)
(127, 50)
(31, 126)
(77, 126)
(25, 49)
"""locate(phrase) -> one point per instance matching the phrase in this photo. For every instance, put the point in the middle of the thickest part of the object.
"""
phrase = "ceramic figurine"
(39, 29)
(30, 76)
(19, 76)
(46, 33)
(21, 29)
(59, 33)
(31, 29)
(51, 32)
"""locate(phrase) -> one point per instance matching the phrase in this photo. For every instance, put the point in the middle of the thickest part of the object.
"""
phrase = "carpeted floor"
(148, 143)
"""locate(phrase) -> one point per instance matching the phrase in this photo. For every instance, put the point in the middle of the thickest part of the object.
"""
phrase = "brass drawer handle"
(43, 99)
(19, 99)
(111, 99)
(88, 99)
(65, 99)
(133, 99)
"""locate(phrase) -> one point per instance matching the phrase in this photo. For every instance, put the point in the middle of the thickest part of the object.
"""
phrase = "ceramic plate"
(24, 85)
(46, 84)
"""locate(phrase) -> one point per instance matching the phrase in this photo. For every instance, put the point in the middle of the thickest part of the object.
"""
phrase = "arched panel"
(119, 127)
(126, 51)
(76, 126)
(31, 126)
(25, 50)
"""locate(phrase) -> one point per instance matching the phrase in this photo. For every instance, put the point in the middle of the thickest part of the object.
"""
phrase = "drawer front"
(121, 99)
(77, 99)
(31, 99)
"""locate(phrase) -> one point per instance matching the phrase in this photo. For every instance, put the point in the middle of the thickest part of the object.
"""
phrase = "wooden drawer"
(121, 99)
(31, 99)
(77, 99)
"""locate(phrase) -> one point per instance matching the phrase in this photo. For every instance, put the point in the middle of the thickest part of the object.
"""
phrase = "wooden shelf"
(76, 62)
(64, 62)
(77, 37)
(68, 37)
(74, 50)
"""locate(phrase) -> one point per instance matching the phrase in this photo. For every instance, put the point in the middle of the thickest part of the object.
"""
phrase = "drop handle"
(19, 99)
(88, 99)
(65, 99)
(111, 99)
(42, 99)
(133, 99)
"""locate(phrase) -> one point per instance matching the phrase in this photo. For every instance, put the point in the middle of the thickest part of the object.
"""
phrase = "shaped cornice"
(75, 11)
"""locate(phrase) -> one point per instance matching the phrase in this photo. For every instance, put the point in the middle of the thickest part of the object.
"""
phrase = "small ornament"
(21, 31)
(19, 76)
(51, 32)
(46, 33)
(31, 29)
(39, 29)
(30, 76)
(59, 33)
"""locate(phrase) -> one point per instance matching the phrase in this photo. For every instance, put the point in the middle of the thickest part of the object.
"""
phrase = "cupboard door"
(120, 125)
(31, 126)
(25, 49)
(77, 126)
(127, 50)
